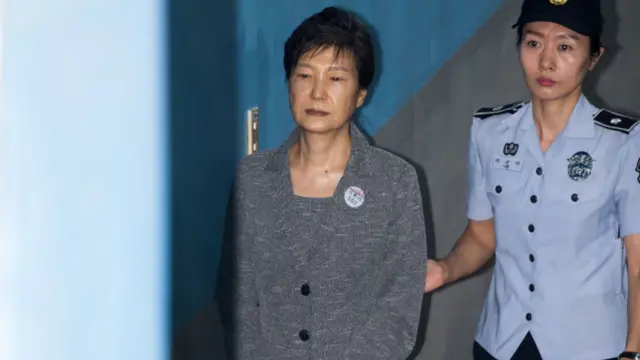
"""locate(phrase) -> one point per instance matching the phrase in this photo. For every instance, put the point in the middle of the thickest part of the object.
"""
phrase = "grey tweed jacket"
(325, 279)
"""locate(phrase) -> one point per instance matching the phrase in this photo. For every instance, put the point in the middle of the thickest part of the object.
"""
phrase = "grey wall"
(432, 130)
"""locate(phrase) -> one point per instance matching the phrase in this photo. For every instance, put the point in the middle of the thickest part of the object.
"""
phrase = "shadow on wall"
(204, 149)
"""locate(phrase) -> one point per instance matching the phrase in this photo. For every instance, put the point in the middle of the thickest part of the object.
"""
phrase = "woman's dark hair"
(594, 41)
(337, 28)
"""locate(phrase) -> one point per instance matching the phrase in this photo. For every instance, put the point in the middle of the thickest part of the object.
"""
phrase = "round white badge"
(354, 197)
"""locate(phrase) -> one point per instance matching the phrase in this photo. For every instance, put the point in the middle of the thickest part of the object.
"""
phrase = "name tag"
(511, 164)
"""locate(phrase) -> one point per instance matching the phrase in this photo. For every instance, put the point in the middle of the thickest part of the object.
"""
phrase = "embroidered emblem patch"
(558, 2)
(580, 166)
(510, 149)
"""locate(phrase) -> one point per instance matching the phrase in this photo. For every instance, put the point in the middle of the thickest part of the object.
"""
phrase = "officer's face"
(324, 90)
(555, 60)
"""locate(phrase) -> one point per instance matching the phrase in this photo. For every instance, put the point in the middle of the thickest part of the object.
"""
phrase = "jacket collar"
(359, 159)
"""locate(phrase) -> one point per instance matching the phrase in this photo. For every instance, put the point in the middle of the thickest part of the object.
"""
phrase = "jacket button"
(498, 189)
(539, 171)
(528, 317)
(531, 258)
(532, 287)
(305, 289)
(304, 335)
(531, 228)
(534, 199)
(575, 197)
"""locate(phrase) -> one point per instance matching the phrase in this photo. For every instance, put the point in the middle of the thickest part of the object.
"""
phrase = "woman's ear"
(595, 58)
(362, 95)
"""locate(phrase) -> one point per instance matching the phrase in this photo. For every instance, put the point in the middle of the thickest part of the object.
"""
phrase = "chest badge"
(512, 164)
(580, 166)
(638, 170)
(354, 197)
(510, 149)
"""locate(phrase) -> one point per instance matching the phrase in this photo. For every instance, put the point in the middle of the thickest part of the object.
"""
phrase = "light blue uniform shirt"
(559, 218)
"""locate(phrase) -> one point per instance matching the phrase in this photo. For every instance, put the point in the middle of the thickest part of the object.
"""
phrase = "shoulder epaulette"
(487, 112)
(614, 121)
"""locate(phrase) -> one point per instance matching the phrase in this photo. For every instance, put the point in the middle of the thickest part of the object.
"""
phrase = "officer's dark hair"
(594, 41)
(337, 28)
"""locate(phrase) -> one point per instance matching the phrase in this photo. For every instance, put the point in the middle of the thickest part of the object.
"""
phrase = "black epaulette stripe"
(615, 128)
(603, 119)
(487, 112)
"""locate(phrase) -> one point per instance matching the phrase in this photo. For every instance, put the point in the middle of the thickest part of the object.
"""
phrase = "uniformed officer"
(554, 193)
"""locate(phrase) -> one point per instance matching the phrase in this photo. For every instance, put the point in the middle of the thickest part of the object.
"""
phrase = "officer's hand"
(436, 275)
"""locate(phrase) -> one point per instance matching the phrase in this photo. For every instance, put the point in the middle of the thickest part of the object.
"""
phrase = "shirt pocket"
(505, 186)
(591, 189)
(566, 191)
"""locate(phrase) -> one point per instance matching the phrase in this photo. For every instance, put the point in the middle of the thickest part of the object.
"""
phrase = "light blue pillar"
(83, 189)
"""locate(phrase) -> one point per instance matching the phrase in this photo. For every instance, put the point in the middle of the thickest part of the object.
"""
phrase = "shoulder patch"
(487, 112)
(614, 121)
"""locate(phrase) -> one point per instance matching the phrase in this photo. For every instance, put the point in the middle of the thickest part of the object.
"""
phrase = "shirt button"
(534, 199)
(531, 228)
(498, 189)
(532, 288)
(305, 290)
(304, 335)
(575, 197)
(528, 317)
(539, 171)
(531, 258)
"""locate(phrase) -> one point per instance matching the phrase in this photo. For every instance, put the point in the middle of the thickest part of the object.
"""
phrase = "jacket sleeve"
(392, 326)
(236, 294)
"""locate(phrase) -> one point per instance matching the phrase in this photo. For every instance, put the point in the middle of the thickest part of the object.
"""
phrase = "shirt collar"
(580, 123)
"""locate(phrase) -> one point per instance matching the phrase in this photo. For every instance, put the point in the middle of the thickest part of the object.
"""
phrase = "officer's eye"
(532, 43)
(565, 47)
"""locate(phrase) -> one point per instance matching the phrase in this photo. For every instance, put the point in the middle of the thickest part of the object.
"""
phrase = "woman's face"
(555, 59)
(324, 90)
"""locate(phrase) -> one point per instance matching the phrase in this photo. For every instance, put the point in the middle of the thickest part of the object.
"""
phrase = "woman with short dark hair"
(330, 239)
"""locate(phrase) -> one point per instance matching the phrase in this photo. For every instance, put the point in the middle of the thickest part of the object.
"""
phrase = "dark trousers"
(526, 351)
